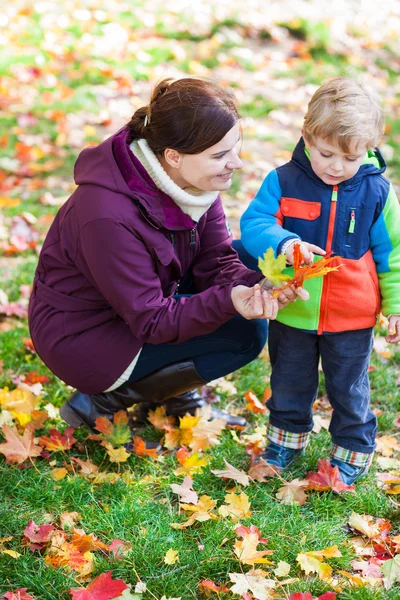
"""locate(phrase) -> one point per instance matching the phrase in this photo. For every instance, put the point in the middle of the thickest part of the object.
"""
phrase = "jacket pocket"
(300, 209)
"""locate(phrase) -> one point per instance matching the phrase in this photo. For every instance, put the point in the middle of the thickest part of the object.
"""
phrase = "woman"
(111, 313)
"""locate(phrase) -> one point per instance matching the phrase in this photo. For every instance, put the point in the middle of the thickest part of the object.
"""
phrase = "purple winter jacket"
(108, 271)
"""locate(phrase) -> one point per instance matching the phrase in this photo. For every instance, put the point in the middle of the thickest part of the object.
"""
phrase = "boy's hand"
(307, 250)
(291, 294)
(393, 329)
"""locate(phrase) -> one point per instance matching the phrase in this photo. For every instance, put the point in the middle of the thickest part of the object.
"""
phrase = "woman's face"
(212, 169)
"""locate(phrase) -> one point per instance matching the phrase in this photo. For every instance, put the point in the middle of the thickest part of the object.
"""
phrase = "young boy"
(331, 198)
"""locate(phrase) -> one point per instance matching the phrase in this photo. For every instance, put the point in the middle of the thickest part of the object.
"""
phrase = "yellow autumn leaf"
(237, 507)
(11, 553)
(193, 464)
(312, 562)
(117, 455)
(171, 557)
(201, 512)
(58, 473)
(272, 267)
(247, 553)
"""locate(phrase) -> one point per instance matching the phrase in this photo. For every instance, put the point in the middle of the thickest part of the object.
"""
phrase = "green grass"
(137, 504)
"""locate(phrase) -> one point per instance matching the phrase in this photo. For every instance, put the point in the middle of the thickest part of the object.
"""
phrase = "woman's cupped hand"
(256, 303)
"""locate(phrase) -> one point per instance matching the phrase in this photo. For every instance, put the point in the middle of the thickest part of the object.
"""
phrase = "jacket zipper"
(192, 244)
(325, 282)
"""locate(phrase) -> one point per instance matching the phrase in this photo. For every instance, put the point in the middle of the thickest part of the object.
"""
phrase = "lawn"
(75, 509)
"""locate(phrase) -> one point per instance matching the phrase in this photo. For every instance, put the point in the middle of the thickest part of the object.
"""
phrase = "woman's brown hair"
(188, 115)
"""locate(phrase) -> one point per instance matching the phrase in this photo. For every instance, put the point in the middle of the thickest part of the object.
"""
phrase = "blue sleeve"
(260, 224)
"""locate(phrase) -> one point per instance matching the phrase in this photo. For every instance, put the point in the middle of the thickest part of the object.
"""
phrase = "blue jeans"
(345, 356)
(233, 345)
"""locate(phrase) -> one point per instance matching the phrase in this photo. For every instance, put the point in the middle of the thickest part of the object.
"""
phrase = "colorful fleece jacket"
(357, 220)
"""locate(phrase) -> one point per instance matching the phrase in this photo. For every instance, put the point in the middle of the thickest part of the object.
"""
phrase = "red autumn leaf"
(57, 441)
(139, 448)
(304, 272)
(101, 588)
(70, 556)
(35, 377)
(17, 448)
(208, 586)
(27, 342)
(253, 403)
(36, 537)
(18, 595)
(301, 596)
(327, 596)
(327, 478)
(119, 548)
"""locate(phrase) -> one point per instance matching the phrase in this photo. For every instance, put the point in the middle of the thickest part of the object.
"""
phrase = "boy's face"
(331, 164)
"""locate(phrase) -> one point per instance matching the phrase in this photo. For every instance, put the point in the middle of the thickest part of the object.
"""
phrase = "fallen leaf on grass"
(57, 441)
(327, 478)
(18, 595)
(159, 419)
(255, 582)
(201, 512)
(261, 470)
(207, 586)
(185, 491)
(237, 507)
(58, 473)
(119, 548)
(312, 562)
(190, 462)
(101, 588)
(293, 492)
(391, 571)
(116, 455)
(232, 473)
(368, 526)
(246, 549)
(36, 537)
(67, 519)
(387, 445)
(254, 404)
(117, 433)
(87, 466)
(19, 448)
(139, 448)
(171, 557)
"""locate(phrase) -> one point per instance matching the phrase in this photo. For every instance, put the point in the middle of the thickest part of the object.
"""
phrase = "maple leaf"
(171, 557)
(185, 491)
(85, 542)
(58, 473)
(35, 377)
(67, 519)
(117, 455)
(87, 466)
(254, 404)
(68, 555)
(365, 524)
(18, 595)
(246, 549)
(283, 569)
(258, 585)
(327, 478)
(201, 512)
(391, 571)
(139, 448)
(208, 585)
(293, 492)
(190, 463)
(36, 537)
(272, 267)
(232, 473)
(160, 420)
(119, 548)
(261, 470)
(237, 507)
(101, 588)
(312, 562)
(117, 433)
(19, 402)
(386, 445)
(58, 442)
(206, 432)
(18, 448)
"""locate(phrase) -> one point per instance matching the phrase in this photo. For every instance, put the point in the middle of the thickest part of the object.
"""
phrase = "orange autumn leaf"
(303, 272)
(85, 542)
(190, 462)
(68, 555)
(139, 448)
(35, 377)
(207, 586)
(159, 419)
(18, 448)
(116, 432)
(254, 404)
(58, 442)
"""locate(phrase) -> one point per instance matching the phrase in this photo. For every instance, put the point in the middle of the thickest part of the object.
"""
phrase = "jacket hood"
(112, 166)
(373, 164)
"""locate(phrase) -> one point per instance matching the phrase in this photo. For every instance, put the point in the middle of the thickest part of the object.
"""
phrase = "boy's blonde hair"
(343, 111)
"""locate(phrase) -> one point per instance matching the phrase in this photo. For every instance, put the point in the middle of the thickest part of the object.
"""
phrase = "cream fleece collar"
(192, 204)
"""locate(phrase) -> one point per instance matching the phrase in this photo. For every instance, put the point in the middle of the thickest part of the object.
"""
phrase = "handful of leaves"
(272, 268)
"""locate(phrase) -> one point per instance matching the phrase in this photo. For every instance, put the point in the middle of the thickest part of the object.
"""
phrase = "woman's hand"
(291, 294)
(307, 250)
(252, 303)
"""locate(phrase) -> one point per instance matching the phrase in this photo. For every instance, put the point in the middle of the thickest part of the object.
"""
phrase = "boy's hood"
(373, 164)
